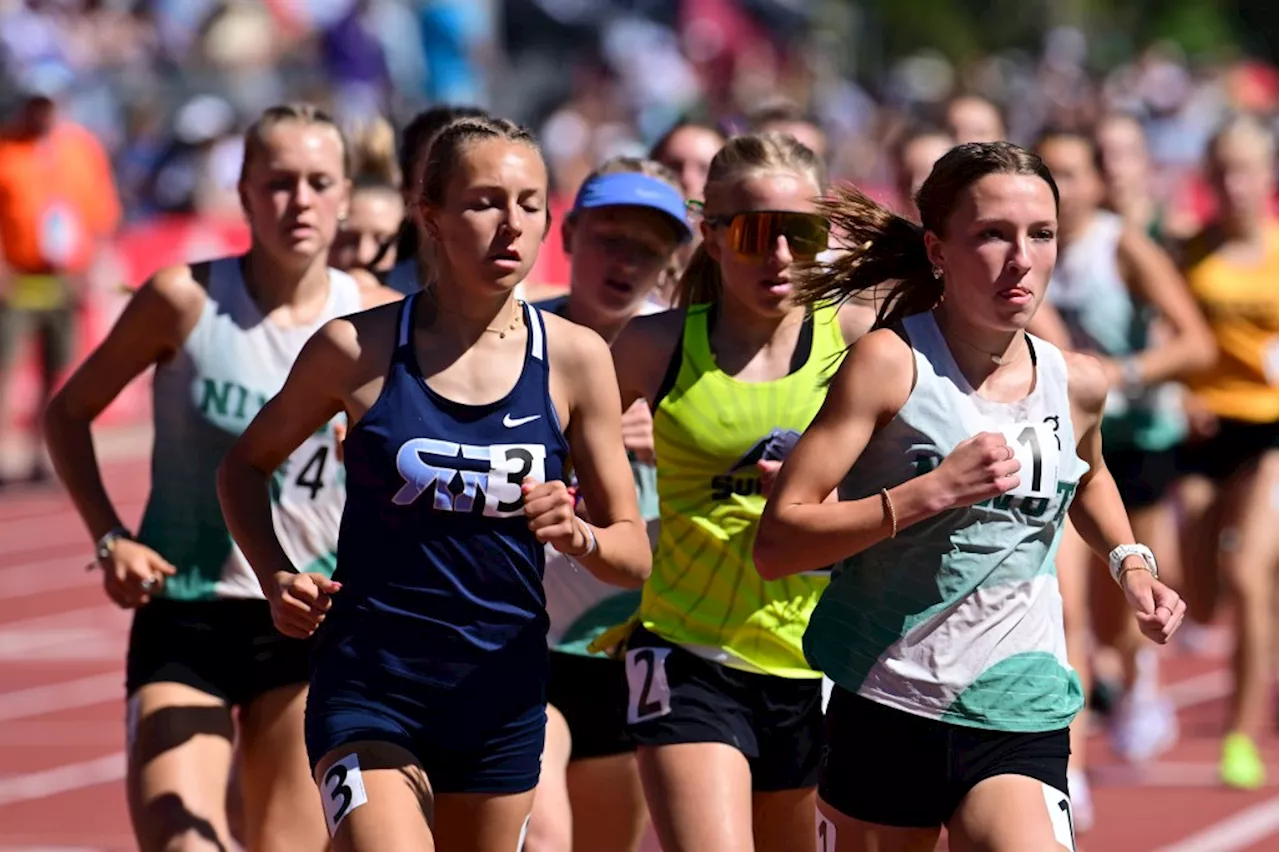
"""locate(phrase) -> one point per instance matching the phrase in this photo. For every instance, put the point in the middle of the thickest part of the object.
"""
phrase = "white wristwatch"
(1117, 557)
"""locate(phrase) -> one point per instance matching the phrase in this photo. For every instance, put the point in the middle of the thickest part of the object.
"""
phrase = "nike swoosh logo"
(511, 422)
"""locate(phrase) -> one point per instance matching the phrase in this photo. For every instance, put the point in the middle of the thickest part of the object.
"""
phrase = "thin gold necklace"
(998, 360)
(501, 331)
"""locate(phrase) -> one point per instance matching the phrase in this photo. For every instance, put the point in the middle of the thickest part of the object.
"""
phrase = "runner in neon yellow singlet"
(721, 700)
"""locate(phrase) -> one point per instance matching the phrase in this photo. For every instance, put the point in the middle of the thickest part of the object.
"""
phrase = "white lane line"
(1238, 831)
(53, 697)
(61, 779)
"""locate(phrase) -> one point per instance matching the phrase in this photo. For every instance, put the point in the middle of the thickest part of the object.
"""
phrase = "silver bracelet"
(591, 540)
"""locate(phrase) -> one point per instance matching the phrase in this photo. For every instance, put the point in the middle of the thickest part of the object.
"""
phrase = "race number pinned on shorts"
(1059, 805)
(826, 834)
(649, 696)
(342, 791)
(1035, 447)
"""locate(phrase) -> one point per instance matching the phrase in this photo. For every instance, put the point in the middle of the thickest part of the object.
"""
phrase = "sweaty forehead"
(1024, 199)
(773, 190)
(501, 162)
(301, 146)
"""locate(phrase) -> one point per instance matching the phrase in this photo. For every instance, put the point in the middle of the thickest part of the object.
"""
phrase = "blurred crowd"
(168, 86)
(157, 95)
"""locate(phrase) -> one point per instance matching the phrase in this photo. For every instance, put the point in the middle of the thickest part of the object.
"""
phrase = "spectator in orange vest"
(58, 204)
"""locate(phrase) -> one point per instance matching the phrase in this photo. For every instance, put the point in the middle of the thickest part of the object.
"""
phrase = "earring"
(937, 272)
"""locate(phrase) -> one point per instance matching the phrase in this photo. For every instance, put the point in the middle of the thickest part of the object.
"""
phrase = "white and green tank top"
(233, 361)
(580, 607)
(1089, 292)
(959, 617)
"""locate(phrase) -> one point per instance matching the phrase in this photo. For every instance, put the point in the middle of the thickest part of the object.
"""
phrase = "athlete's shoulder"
(856, 320)
(352, 336)
(1087, 382)
(654, 335)
(372, 291)
(571, 345)
(181, 288)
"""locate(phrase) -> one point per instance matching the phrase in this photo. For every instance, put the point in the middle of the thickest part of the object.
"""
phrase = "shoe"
(1143, 726)
(1241, 765)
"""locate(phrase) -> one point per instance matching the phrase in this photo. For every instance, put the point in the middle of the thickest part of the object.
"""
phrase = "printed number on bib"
(1035, 446)
(649, 696)
(343, 791)
(310, 477)
(826, 834)
(1059, 805)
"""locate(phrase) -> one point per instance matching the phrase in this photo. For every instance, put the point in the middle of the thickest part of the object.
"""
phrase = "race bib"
(1035, 446)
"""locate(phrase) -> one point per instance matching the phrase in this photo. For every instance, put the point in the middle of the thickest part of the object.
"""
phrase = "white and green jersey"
(959, 617)
(233, 361)
(579, 606)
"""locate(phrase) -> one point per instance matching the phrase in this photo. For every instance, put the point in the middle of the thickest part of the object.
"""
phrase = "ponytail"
(879, 247)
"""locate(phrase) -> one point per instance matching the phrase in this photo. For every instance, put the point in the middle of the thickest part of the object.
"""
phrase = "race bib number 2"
(1035, 447)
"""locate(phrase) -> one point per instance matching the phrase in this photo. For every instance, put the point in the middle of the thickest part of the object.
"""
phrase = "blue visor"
(634, 189)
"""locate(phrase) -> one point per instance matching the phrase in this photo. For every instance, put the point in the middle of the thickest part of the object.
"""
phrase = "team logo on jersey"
(743, 479)
(464, 478)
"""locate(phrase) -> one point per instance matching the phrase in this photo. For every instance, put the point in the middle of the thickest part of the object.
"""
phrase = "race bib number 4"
(1035, 447)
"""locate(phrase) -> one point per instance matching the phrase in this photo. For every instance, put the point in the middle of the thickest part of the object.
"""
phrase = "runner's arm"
(1098, 512)
(799, 531)
(623, 556)
(1155, 281)
(153, 326)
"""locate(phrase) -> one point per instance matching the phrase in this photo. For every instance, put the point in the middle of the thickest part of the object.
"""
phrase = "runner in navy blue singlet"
(427, 709)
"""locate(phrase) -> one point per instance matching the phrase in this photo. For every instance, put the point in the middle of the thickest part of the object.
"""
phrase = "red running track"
(62, 647)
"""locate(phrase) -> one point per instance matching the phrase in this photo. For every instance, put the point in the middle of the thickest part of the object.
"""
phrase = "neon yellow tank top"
(709, 431)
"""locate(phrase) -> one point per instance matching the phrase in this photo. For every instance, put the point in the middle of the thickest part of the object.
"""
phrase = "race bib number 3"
(342, 791)
(1035, 447)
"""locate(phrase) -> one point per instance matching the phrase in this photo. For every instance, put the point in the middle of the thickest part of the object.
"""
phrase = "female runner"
(1231, 491)
(367, 236)
(222, 336)
(626, 223)
(1110, 285)
(957, 442)
(426, 714)
(724, 709)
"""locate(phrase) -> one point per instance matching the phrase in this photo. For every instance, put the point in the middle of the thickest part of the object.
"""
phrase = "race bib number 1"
(1035, 446)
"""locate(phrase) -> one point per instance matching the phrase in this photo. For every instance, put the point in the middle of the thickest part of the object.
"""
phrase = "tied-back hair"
(447, 147)
(373, 156)
(882, 248)
(741, 157)
(445, 153)
(301, 112)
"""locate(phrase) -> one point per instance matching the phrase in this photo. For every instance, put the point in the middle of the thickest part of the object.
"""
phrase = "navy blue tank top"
(442, 579)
